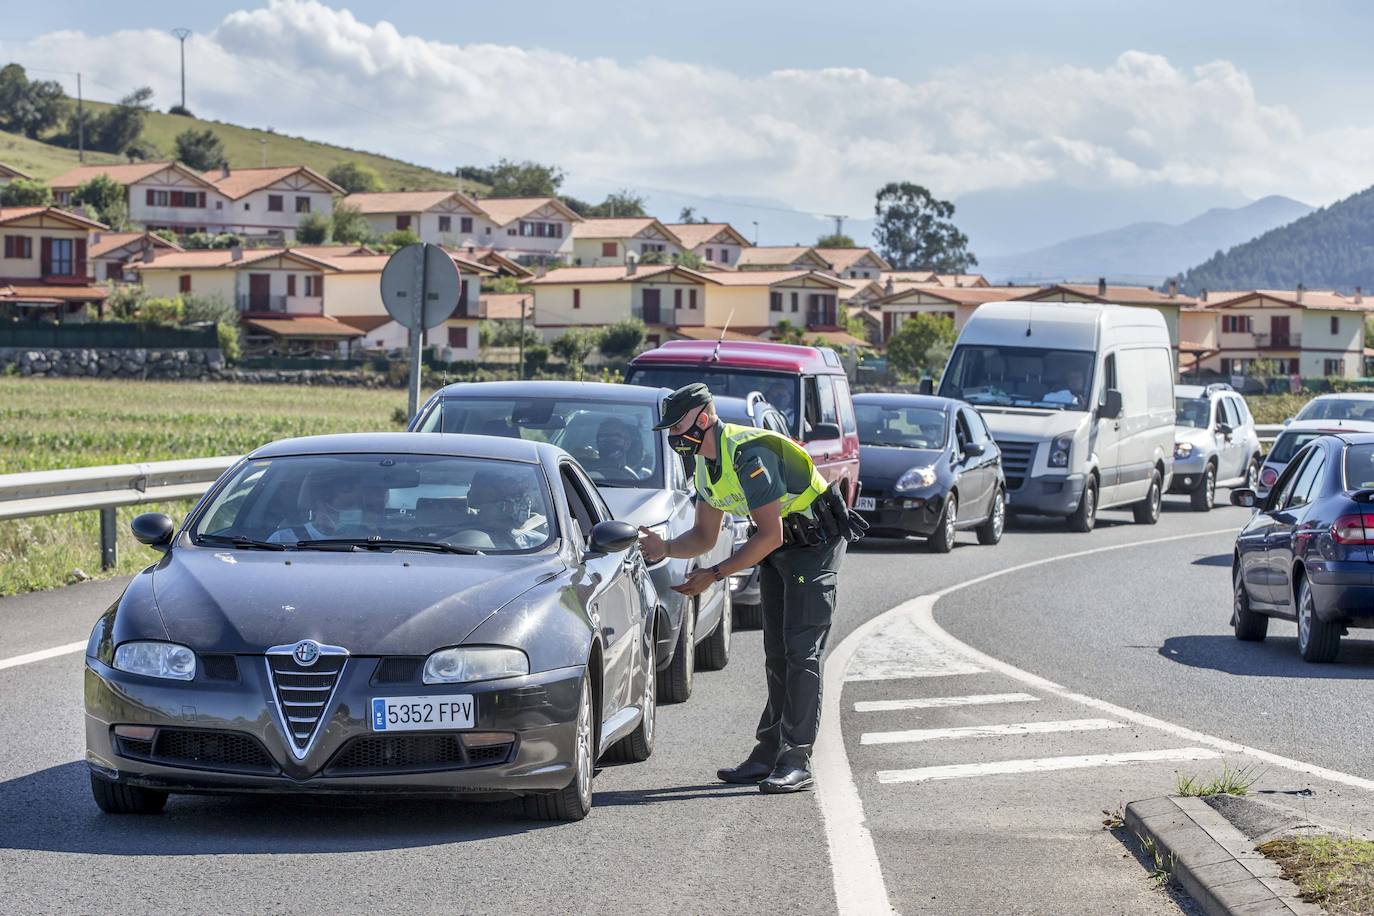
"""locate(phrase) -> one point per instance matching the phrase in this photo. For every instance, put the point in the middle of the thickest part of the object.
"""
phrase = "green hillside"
(241, 144)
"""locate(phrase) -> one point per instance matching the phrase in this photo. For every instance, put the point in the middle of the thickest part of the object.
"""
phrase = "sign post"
(420, 289)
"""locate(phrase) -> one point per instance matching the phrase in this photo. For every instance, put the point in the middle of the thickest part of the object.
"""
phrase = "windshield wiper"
(376, 543)
(239, 540)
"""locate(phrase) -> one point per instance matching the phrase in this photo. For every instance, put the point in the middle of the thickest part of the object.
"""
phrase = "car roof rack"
(1219, 386)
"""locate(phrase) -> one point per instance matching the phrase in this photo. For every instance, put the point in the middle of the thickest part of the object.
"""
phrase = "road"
(1138, 628)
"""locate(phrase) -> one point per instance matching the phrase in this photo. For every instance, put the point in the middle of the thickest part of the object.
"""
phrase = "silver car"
(1215, 443)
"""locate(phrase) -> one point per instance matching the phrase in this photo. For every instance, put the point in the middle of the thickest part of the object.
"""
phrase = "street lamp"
(181, 36)
(756, 231)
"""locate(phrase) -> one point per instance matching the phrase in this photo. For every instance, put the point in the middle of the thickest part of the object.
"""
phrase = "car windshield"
(1359, 467)
(615, 443)
(1338, 409)
(1287, 445)
(1019, 377)
(781, 390)
(1194, 412)
(475, 503)
(902, 427)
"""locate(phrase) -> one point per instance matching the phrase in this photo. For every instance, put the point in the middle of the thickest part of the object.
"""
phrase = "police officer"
(800, 528)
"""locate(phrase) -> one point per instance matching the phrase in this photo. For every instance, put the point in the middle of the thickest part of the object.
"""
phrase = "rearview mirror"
(974, 449)
(823, 431)
(1111, 405)
(153, 529)
(927, 385)
(1244, 497)
(611, 536)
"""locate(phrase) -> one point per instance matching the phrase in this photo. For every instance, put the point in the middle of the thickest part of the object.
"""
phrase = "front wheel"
(1318, 640)
(675, 681)
(574, 801)
(714, 653)
(1146, 511)
(942, 540)
(990, 532)
(1249, 626)
(116, 798)
(1085, 516)
(1205, 496)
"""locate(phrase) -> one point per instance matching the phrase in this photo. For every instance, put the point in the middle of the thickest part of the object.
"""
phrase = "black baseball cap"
(681, 402)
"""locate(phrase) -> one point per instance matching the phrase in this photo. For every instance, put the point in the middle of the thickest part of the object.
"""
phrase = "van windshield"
(1019, 377)
(780, 390)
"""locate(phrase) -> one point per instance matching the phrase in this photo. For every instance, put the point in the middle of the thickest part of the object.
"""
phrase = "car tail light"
(1268, 476)
(1354, 529)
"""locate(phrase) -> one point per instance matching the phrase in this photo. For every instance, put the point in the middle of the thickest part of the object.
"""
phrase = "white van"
(1079, 398)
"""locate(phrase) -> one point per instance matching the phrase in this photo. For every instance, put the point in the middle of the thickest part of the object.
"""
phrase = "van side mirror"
(927, 385)
(1111, 405)
(610, 536)
(821, 431)
(1244, 497)
(153, 529)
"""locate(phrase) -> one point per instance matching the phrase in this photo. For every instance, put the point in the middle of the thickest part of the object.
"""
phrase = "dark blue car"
(1307, 553)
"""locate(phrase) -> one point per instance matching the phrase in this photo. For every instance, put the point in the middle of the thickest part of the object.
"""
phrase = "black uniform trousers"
(798, 586)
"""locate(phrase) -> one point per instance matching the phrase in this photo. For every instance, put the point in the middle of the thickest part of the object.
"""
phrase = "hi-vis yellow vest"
(727, 494)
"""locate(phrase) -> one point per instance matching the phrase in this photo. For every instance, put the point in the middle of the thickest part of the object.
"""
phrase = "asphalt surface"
(1143, 627)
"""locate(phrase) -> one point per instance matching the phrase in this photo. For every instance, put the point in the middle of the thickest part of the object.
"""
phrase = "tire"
(638, 745)
(714, 652)
(675, 681)
(1205, 496)
(748, 616)
(1146, 511)
(990, 532)
(574, 801)
(1085, 516)
(1318, 641)
(1249, 625)
(942, 540)
(1252, 472)
(116, 798)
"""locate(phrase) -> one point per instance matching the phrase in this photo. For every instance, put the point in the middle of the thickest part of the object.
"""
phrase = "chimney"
(236, 253)
(1202, 296)
(1102, 286)
(224, 170)
(1298, 298)
(1173, 288)
(540, 271)
(888, 287)
(471, 251)
(631, 265)
(1359, 295)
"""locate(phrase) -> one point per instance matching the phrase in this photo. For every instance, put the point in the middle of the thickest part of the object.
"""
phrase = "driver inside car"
(500, 502)
(615, 445)
(329, 507)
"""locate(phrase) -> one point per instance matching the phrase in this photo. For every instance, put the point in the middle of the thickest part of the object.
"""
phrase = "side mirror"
(927, 385)
(1287, 420)
(611, 536)
(974, 449)
(1225, 429)
(1111, 405)
(823, 431)
(153, 529)
(1244, 497)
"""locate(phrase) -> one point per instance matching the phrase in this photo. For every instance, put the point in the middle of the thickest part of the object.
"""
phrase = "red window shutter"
(677, 298)
(148, 196)
(291, 284)
(691, 298)
(577, 298)
(9, 246)
(184, 283)
(45, 257)
(458, 337)
(608, 249)
(80, 257)
(463, 297)
(319, 287)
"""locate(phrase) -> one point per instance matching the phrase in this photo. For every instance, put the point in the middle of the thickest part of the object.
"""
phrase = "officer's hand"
(651, 545)
(697, 582)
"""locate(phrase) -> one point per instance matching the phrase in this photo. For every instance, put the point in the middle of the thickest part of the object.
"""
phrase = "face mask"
(688, 442)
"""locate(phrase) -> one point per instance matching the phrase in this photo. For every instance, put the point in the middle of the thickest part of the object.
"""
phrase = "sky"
(1041, 120)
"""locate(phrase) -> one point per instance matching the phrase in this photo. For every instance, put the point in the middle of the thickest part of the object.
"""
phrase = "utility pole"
(756, 232)
(522, 340)
(181, 36)
(80, 124)
(839, 222)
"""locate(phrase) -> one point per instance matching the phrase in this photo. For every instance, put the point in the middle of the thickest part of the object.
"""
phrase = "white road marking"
(978, 699)
(42, 654)
(900, 650)
(913, 735)
(1042, 764)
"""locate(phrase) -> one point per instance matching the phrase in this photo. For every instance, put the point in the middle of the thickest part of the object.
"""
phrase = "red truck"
(786, 375)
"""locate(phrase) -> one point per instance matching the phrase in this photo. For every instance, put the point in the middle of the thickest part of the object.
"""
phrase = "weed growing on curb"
(1163, 870)
(1114, 818)
(1334, 872)
(1230, 782)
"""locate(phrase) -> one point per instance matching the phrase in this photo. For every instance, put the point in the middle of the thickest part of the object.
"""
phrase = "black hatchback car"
(929, 468)
(1307, 554)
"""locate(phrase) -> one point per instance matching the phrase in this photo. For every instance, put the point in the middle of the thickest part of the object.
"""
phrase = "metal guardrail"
(103, 489)
(1268, 432)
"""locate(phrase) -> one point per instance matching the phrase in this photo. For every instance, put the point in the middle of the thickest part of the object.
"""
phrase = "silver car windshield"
(1194, 412)
(1338, 409)
(311, 500)
(1019, 377)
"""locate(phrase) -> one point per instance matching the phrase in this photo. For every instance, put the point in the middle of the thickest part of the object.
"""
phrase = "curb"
(1213, 861)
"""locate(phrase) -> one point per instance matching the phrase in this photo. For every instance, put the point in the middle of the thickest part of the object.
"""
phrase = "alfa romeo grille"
(303, 691)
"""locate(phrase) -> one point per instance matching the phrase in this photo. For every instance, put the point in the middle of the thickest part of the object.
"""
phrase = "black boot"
(786, 777)
(747, 773)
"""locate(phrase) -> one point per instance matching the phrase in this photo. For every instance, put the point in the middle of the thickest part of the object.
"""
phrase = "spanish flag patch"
(756, 472)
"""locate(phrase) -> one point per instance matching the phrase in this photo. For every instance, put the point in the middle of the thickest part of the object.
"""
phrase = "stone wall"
(114, 363)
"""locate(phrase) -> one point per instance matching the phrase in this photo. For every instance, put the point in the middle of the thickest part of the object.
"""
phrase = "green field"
(47, 424)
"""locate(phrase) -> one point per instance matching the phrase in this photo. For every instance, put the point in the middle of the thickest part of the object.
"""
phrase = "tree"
(115, 130)
(617, 204)
(25, 192)
(200, 240)
(621, 339)
(835, 240)
(689, 215)
(914, 230)
(350, 226)
(104, 198)
(180, 110)
(574, 347)
(394, 241)
(200, 149)
(786, 332)
(167, 235)
(29, 107)
(199, 309)
(916, 345)
(313, 229)
(523, 179)
(356, 178)
(689, 260)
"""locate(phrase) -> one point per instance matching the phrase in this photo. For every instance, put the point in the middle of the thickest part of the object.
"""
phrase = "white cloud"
(822, 139)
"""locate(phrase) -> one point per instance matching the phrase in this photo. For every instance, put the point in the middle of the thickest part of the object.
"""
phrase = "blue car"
(1307, 554)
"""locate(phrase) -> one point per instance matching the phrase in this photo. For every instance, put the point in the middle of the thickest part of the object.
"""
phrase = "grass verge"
(1336, 873)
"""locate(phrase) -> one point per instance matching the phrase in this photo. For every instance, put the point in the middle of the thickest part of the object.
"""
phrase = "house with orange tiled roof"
(607, 242)
(8, 173)
(781, 257)
(270, 202)
(159, 195)
(43, 264)
(533, 229)
(1168, 302)
(438, 217)
(855, 263)
(259, 282)
(109, 254)
(718, 244)
(663, 296)
(1308, 332)
(758, 301)
(902, 300)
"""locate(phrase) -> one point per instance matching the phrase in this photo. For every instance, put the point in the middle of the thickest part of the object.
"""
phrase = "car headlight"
(156, 659)
(916, 478)
(1183, 449)
(1060, 450)
(740, 528)
(661, 529)
(474, 663)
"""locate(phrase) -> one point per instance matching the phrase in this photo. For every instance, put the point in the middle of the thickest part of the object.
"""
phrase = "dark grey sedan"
(381, 613)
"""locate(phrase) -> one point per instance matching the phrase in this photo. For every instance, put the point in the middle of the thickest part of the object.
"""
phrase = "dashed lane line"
(914, 735)
(42, 654)
(1043, 764)
(978, 699)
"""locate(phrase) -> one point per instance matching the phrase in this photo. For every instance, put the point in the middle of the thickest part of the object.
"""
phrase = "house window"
(314, 285)
(1333, 366)
(510, 231)
(302, 204)
(608, 249)
(775, 302)
(577, 298)
(219, 205)
(274, 203)
(402, 222)
(62, 262)
(647, 247)
(725, 256)
(114, 271)
(247, 205)
(691, 298)
(19, 247)
(710, 254)
(445, 224)
(795, 299)
(184, 283)
(458, 338)
(1335, 329)
(465, 224)
(677, 299)
(1236, 324)
(290, 284)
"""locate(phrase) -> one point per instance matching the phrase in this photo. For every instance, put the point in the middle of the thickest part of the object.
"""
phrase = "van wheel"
(1147, 510)
(1318, 641)
(1205, 496)
(990, 532)
(1249, 626)
(1085, 516)
(675, 681)
(942, 540)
